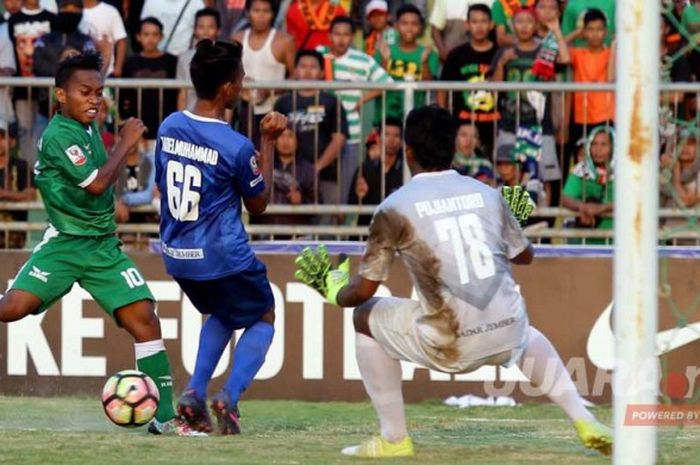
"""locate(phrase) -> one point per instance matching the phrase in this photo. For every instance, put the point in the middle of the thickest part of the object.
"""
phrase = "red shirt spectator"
(308, 21)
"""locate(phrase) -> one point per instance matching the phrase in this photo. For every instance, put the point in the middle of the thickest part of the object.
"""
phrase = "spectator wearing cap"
(380, 29)
(15, 184)
(309, 22)
(104, 24)
(369, 188)
(507, 168)
(510, 173)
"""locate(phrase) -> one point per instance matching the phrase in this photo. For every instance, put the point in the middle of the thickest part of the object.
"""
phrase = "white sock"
(146, 349)
(381, 376)
(543, 366)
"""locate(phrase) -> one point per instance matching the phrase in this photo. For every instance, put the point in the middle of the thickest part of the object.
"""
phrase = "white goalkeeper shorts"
(393, 323)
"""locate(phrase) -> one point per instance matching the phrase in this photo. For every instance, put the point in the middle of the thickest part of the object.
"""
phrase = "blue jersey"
(203, 169)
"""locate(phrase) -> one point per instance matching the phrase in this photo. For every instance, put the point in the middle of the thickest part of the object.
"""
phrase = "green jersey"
(69, 156)
(406, 66)
(582, 185)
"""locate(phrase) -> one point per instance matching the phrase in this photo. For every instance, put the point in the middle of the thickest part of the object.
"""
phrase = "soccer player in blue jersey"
(204, 169)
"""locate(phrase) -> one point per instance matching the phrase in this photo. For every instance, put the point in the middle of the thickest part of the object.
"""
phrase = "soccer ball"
(130, 398)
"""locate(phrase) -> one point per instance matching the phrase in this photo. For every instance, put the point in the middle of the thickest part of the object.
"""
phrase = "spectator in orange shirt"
(309, 22)
(592, 63)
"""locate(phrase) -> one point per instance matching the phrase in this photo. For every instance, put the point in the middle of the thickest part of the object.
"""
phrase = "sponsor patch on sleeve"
(76, 155)
(256, 171)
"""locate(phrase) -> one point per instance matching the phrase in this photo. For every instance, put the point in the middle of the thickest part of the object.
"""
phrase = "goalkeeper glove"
(314, 269)
(519, 201)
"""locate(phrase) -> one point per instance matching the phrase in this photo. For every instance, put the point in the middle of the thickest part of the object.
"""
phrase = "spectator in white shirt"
(177, 17)
(103, 23)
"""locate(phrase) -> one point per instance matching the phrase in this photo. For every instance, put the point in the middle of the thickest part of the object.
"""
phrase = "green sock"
(157, 367)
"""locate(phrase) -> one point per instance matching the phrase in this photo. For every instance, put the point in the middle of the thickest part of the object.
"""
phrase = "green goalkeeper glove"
(519, 201)
(315, 270)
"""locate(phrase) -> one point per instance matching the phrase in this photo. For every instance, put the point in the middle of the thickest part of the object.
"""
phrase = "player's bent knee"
(15, 305)
(360, 317)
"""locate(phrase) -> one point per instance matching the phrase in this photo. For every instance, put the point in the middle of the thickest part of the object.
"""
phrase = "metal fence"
(679, 104)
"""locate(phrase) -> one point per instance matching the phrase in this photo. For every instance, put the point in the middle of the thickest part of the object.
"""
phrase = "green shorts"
(96, 263)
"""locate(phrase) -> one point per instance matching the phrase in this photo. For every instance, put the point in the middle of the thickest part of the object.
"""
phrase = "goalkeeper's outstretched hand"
(314, 269)
(519, 201)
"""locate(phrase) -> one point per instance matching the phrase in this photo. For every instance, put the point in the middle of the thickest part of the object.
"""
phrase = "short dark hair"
(342, 20)
(394, 121)
(309, 53)
(88, 61)
(594, 14)
(430, 133)
(151, 20)
(214, 64)
(409, 9)
(481, 8)
(204, 12)
(272, 3)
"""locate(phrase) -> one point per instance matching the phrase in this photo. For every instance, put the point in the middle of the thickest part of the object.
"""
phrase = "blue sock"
(248, 357)
(212, 341)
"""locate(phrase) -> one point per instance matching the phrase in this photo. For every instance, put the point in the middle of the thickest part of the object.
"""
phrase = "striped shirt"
(354, 66)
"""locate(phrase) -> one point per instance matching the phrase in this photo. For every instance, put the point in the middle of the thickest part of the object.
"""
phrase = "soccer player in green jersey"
(75, 176)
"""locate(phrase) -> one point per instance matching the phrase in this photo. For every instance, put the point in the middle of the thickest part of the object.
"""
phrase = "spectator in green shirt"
(407, 60)
(590, 188)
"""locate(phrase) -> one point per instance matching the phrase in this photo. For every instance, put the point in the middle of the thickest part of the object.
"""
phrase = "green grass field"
(75, 431)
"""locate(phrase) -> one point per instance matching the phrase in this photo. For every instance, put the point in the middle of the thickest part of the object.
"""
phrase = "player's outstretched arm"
(358, 291)
(129, 135)
(271, 126)
(314, 269)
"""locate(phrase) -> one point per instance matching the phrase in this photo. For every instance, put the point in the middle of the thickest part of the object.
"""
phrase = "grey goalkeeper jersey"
(456, 236)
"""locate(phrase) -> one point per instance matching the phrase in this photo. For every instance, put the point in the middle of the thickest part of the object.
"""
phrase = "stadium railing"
(549, 229)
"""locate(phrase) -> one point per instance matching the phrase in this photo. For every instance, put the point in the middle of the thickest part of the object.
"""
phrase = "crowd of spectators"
(344, 146)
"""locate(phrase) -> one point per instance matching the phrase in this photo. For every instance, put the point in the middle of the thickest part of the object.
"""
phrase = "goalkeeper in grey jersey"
(458, 238)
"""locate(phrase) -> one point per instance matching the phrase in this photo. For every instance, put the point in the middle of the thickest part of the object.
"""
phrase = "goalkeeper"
(457, 237)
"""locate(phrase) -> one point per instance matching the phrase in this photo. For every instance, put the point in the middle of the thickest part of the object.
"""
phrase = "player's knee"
(360, 318)
(140, 320)
(11, 309)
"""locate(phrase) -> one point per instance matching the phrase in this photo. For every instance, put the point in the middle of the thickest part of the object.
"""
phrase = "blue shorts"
(239, 300)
